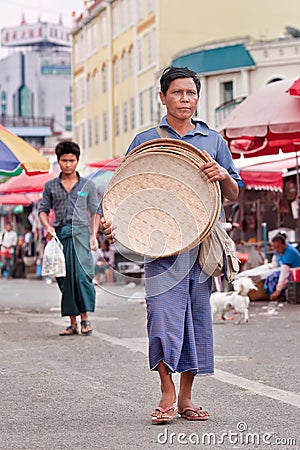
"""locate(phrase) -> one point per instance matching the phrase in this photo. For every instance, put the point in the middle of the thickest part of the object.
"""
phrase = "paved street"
(97, 392)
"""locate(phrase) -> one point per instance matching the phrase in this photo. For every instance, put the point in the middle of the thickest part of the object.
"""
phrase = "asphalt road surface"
(97, 392)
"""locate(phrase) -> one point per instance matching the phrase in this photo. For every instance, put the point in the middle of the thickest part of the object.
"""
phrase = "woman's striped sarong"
(178, 314)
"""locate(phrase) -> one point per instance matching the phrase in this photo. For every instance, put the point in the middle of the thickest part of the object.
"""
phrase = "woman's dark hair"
(172, 73)
(280, 237)
(66, 147)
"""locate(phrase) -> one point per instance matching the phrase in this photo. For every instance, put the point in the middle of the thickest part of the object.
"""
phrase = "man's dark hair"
(66, 147)
(280, 237)
(172, 73)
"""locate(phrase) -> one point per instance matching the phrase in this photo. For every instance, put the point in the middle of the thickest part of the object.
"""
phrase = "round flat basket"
(160, 203)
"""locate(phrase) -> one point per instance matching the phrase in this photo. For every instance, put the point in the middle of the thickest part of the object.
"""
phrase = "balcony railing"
(34, 122)
(225, 109)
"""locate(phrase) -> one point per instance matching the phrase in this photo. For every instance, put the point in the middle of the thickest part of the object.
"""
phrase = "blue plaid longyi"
(179, 316)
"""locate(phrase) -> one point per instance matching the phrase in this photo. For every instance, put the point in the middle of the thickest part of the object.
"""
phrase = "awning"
(267, 175)
(216, 59)
(107, 164)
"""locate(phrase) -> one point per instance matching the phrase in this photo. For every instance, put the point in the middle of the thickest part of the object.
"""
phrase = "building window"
(104, 78)
(83, 137)
(90, 133)
(139, 54)
(132, 113)
(123, 13)
(68, 118)
(125, 117)
(94, 37)
(96, 127)
(131, 9)
(227, 91)
(139, 10)
(149, 39)
(117, 120)
(141, 108)
(95, 84)
(151, 104)
(82, 47)
(116, 71)
(103, 28)
(88, 88)
(89, 40)
(105, 126)
(149, 6)
(130, 62)
(82, 91)
(3, 102)
(124, 66)
(115, 19)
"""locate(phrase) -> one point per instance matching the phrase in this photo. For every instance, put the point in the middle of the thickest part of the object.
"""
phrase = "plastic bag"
(54, 263)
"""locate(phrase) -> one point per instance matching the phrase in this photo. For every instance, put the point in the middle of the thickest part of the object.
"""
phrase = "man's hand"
(213, 170)
(93, 243)
(50, 232)
(107, 229)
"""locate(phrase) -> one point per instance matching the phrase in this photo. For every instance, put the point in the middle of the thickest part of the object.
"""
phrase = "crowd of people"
(17, 251)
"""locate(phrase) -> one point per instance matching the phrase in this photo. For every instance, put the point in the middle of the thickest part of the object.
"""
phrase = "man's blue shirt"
(202, 137)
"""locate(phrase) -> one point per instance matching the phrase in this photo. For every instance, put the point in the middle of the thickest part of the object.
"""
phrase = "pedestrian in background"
(104, 263)
(72, 198)
(8, 241)
(178, 317)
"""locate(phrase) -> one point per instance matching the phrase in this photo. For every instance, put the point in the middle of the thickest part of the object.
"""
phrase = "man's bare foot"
(168, 399)
(190, 412)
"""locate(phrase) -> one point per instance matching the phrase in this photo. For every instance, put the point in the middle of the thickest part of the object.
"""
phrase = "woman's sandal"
(197, 413)
(69, 331)
(167, 415)
(85, 324)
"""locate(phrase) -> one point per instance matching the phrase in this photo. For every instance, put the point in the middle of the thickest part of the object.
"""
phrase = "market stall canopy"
(295, 88)
(107, 164)
(25, 183)
(264, 123)
(268, 175)
(19, 199)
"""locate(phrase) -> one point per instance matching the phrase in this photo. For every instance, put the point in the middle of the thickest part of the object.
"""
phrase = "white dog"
(237, 300)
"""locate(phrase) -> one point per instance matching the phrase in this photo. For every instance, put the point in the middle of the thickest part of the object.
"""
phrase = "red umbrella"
(25, 183)
(295, 88)
(107, 164)
(19, 199)
(265, 122)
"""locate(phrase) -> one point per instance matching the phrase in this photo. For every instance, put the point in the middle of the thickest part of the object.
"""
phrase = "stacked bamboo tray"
(159, 201)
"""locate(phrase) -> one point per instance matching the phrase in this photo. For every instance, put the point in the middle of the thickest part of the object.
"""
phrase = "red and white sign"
(30, 34)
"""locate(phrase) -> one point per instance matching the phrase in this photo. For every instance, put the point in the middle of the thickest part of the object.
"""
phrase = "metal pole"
(298, 193)
(264, 226)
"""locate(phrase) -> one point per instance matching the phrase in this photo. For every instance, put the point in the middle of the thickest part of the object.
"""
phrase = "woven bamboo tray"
(158, 200)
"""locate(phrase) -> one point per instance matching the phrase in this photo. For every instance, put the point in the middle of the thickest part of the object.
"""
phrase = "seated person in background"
(104, 263)
(285, 257)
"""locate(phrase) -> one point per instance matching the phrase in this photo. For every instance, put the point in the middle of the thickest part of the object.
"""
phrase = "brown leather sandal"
(85, 324)
(69, 331)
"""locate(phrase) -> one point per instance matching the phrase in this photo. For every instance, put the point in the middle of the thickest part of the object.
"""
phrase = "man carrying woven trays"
(178, 299)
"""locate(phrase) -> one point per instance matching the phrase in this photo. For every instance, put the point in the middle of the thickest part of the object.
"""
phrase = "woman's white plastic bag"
(54, 263)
